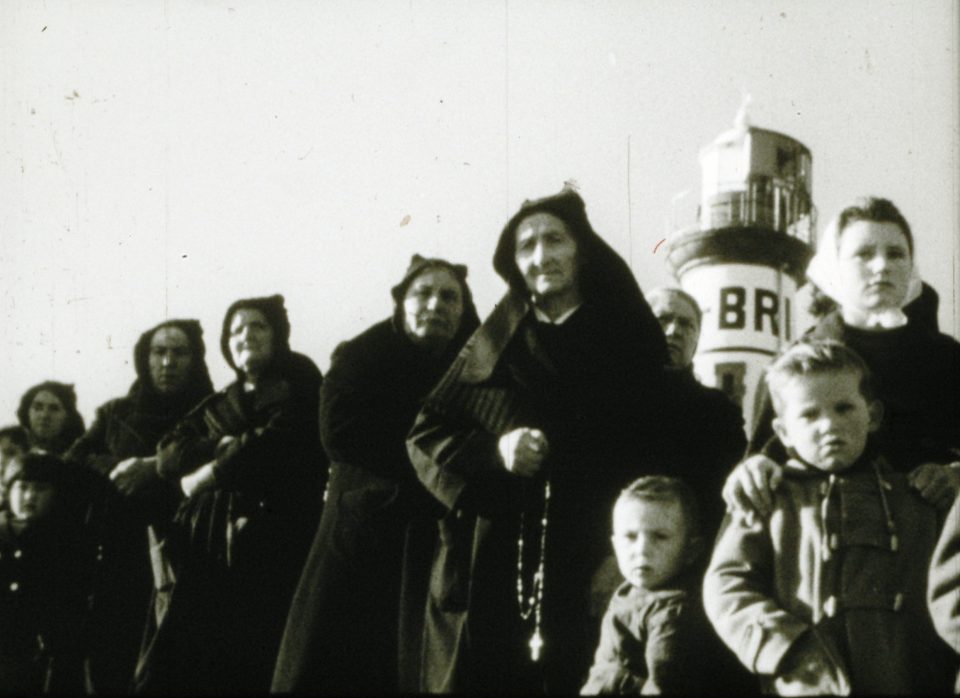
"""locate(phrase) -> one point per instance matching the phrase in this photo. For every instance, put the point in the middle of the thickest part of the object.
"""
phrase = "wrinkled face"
(9, 452)
(825, 418)
(31, 500)
(874, 265)
(47, 416)
(170, 360)
(680, 327)
(251, 340)
(432, 308)
(546, 255)
(650, 540)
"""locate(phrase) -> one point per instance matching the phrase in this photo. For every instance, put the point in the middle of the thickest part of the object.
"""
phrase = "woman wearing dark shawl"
(48, 412)
(121, 444)
(548, 411)
(249, 460)
(341, 633)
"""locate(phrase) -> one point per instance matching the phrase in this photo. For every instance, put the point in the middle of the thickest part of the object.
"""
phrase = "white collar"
(543, 317)
(865, 320)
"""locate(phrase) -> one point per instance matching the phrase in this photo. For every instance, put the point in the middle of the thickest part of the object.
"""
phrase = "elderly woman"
(121, 444)
(551, 408)
(342, 629)
(249, 461)
(865, 264)
(48, 412)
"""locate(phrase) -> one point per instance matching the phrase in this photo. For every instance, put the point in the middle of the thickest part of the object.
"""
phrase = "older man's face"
(546, 255)
(680, 327)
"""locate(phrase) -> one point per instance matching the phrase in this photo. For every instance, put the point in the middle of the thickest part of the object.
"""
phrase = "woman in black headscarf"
(121, 444)
(249, 460)
(550, 409)
(342, 628)
(48, 412)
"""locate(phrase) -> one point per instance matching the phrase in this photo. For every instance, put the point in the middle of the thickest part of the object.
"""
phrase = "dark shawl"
(916, 372)
(592, 385)
(378, 521)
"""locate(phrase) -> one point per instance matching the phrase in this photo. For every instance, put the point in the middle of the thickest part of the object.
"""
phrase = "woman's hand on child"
(523, 450)
(748, 490)
(938, 484)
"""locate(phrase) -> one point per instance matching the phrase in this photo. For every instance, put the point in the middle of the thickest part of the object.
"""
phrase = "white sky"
(161, 159)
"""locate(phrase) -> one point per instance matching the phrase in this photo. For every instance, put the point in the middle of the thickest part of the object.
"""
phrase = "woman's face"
(47, 416)
(874, 265)
(432, 308)
(251, 340)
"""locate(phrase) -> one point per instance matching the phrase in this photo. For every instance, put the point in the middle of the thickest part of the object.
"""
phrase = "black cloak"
(378, 524)
(592, 385)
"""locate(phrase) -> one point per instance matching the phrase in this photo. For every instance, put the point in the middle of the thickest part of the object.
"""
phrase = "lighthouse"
(746, 255)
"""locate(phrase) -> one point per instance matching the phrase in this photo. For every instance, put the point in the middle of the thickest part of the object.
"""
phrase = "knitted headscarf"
(469, 320)
(276, 315)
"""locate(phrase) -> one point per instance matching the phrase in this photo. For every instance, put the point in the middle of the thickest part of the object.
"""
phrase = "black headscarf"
(469, 320)
(73, 426)
(199, 384)
(275, 314)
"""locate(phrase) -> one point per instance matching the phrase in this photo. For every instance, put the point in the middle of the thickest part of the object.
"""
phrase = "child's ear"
(781, 431)
(876, 414)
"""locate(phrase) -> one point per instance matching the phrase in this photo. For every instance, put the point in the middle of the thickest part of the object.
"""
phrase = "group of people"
(434, 514)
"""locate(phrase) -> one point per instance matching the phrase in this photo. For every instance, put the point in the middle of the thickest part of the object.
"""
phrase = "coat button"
(17, 554)
(14, 586)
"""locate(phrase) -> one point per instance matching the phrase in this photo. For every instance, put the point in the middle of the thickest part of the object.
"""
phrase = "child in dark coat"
(42, 567)
(655, 637)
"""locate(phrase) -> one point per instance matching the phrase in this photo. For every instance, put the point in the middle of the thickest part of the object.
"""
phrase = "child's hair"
(660, 488)
(813, 357)
(40, 467)
(17, 435)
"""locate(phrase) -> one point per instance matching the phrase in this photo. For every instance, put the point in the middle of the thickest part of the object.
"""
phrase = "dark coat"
(236, 550)
(44, 570)
(591, 385)
(123, 428)
(341, 634)
(917, 376)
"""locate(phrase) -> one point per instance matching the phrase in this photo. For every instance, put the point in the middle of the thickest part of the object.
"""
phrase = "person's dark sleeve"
(456, 462)
(188, 445)
(91, 449)
(289, 439)
(358, 424)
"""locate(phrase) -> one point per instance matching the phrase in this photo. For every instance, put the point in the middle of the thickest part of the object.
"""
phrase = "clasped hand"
(523, 450)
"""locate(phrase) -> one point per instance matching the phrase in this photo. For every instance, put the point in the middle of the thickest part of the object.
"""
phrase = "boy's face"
(31, 500)
(825, 418)
(650, 540)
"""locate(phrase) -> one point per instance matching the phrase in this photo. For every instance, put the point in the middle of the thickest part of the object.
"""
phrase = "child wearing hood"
(43, 605)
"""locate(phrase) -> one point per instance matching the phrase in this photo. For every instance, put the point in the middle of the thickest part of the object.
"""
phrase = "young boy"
(42, 600)
(827, 595)
(654, 636)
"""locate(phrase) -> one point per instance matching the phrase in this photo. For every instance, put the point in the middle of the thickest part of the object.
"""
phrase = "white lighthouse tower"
(746, 255)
